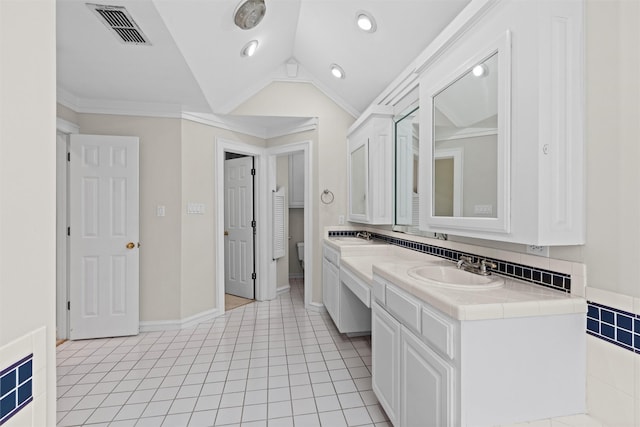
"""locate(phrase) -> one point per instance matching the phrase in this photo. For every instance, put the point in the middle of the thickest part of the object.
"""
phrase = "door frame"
(273, 153)
(222, 145)
(63, 127)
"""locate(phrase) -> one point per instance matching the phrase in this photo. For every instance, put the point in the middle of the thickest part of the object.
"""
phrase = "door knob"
(131, 245)
(226, 233)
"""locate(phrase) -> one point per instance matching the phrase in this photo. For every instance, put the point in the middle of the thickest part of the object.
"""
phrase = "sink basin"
(354, 240)
(451, 277)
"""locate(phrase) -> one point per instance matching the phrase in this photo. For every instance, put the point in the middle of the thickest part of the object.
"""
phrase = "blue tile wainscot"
(16, 388)
(615, 326)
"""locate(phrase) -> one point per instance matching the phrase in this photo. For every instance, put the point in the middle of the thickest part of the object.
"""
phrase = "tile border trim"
(21, 391)
(615, 326)
(538, 276)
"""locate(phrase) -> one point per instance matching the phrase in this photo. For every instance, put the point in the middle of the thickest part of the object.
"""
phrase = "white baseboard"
(317, 307)
(187, 322)
(282, 289)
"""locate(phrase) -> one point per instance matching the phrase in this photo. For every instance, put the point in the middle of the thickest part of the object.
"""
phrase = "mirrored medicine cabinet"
(464, 150)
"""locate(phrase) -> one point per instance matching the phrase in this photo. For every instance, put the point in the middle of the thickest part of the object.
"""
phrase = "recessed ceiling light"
(337, 71)
(365, 21)
(480, 70)
(250, 48)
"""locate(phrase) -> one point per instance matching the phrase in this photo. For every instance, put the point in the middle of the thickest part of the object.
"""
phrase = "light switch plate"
(160, 210)
(195, 208)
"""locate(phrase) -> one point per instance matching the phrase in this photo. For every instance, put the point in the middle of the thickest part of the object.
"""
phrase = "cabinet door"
(426, 385)
(296, 180)
(330, 284)
(385, 355)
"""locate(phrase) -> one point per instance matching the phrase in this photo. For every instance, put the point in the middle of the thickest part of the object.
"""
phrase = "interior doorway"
(239, 227)
(291, 164)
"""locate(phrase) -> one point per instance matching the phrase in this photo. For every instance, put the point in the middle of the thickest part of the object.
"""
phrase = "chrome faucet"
(482, 267)
(364, 235)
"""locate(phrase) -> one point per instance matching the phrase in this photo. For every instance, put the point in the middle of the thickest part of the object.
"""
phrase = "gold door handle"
(226, 233)
(131, 245)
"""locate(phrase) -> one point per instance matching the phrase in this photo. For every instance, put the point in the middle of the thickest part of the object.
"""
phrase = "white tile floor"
(266, 363)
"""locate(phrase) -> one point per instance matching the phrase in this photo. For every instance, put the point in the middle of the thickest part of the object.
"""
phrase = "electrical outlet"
(341, 220)
(538, 250)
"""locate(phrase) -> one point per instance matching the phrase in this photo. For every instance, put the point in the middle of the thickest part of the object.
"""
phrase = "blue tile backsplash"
(16, 388)
(615, 326)
(538, 276)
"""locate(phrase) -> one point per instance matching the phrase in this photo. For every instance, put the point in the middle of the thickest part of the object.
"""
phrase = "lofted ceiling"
(193, 63)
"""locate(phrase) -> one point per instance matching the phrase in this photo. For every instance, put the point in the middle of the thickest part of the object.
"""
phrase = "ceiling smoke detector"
(249, 14)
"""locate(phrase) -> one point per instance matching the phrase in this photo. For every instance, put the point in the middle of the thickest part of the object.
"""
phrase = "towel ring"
(326, 197)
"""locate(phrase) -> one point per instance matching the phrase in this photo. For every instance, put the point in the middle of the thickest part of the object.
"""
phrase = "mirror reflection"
(407, 132)
(465, 157)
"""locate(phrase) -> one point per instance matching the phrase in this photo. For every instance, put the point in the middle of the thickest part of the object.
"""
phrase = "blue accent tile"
(625, 337)
(608, 331)
(594, 326)
(24, 392)
(8, 382)
(636, 341)
(624, 322)
(25, 371)
(593, 312)
(7, 404)
(607, 316)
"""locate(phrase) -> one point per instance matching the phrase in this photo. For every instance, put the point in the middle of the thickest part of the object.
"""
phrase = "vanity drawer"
(332, 256)
(377, 288)
(438, 331)
(360, 289)
(404, 307)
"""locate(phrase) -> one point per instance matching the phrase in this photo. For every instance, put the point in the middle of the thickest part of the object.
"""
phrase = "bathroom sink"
(451, 277)
(354, 240)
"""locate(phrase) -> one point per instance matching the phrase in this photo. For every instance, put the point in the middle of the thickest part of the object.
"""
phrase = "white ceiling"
(194, 62)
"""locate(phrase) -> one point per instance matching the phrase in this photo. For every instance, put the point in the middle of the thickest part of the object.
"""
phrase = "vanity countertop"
(516, 299)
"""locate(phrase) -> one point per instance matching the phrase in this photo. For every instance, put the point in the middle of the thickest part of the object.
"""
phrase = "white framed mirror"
(465, 144)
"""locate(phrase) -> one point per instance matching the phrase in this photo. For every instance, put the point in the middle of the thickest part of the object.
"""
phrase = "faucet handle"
(485, 264)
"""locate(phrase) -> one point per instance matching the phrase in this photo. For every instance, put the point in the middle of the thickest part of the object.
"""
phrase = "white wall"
(177, 253)
(329, 168)
(27, 198)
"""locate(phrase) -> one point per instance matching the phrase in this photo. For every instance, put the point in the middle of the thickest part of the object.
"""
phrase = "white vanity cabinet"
(349, 311)
(370, 169)
(331, 281)
(430, 369)
(385, 353)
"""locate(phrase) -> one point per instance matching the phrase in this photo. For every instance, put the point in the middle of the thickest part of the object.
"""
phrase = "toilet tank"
(300, 246)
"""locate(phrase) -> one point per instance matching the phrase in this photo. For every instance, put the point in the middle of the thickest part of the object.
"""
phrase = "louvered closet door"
(104, 234)
(279, 239)
(238, 208)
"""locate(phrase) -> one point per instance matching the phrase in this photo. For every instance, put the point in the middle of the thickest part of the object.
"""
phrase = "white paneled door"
(103, 236)
(238, 228)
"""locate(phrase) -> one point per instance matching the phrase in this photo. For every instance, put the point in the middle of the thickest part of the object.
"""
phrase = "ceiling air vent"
(120, 22)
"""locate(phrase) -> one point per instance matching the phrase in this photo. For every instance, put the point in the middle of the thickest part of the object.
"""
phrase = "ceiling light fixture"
(480, 70)
(337, 71)
(365, 21)
(249, 49)
(249, 14)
